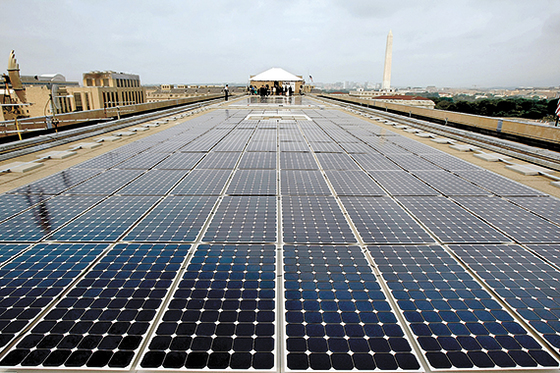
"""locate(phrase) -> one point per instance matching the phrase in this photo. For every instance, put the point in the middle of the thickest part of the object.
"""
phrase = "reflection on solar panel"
(531, 288)
(455, 321)
(278, 245)
(45, 217)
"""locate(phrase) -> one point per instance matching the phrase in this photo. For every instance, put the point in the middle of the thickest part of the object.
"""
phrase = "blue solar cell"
(118, 298)
(439, 328)
(245, 335)
(348, 323)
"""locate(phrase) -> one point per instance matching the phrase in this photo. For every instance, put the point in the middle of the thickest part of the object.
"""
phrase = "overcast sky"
(447, 43)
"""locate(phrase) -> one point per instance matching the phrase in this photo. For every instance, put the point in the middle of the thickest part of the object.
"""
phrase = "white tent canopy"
(276, 74)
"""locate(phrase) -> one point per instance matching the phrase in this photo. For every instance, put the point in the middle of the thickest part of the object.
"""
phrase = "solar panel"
(104, 161)
(336, 315)
(258, 160)
(498, 184)
(31, 281)
(221, 314)
(219, 160)
(412, 162)
(531, 287)
(314, 219)
(107, 182)
(253, 182)
(449, 222)
(174, 219)
(456, 322)
(154, 182)
(375, 162)
(297, 161)
(180, 161)
(449, 184)
(58, 182)
(210, 182)
(402, 183)
(382, 220)
(108, 220)
(294, 182)
(45, 217)
(102, 320)
(244, 219)
(523, 226)
(353, 183)
(336, 161)
(142, 161)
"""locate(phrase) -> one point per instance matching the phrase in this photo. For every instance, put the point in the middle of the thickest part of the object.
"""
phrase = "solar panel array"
(227, 243)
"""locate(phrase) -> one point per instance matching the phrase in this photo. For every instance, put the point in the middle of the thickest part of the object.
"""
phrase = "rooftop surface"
(277, 235)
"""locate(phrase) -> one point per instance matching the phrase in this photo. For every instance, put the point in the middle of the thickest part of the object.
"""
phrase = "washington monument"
(388, 59)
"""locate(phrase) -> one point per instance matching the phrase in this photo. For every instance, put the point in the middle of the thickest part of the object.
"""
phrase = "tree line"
(513, 107)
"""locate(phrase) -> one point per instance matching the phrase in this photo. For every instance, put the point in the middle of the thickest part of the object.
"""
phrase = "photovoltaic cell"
(197, 182)
(219, 160)
(498, 184)
(353, 183)
(258, 160)
(58, 182)
(107, 182)
(175, 219)
(297, 161)
(547, 207)
(180, 161)
(253, 182)
(244, 219)
(15, 203)
(456, 322)
(102, 320)
(402, 183)
(530, 286)
(513, 220)
(45, 217)
(154, 182)
(449, 162)
(451, 223)
(31, 281)
(336, 315)
(222, 313)
(301, 182)
(449, 184)
(311, 219)
(336, 161)
(382, 220)
(108, 220)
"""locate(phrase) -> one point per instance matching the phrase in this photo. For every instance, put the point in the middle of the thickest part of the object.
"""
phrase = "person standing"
(226, 91)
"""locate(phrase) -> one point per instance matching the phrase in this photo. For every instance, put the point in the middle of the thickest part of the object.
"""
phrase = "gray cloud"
(446, 43)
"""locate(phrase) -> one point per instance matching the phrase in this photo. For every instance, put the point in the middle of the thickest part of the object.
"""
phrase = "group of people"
(266, 90)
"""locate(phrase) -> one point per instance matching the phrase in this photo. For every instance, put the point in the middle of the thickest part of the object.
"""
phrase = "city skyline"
(436, 43)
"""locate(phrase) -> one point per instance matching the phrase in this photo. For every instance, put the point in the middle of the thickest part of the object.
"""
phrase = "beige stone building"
(104, 89)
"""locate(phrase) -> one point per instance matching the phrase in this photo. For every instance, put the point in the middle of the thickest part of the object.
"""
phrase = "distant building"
(104, 89)
(170, 92)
